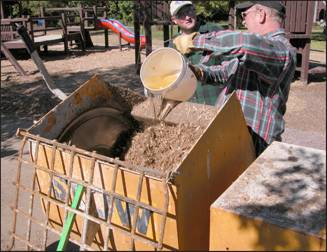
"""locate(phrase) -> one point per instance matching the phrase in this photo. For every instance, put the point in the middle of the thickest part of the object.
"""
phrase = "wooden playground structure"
(73, 22)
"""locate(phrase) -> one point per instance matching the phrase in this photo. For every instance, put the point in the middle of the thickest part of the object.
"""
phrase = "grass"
(157, 31)
(318, 39)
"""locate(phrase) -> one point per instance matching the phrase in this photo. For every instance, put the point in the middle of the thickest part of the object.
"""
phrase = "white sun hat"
(175, 6)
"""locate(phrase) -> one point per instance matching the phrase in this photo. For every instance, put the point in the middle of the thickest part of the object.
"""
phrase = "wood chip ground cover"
(162, 146)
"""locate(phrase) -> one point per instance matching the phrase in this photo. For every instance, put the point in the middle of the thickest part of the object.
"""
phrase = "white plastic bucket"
(165, 72)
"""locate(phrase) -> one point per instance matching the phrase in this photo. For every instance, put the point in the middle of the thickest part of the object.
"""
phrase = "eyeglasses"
(244, 13)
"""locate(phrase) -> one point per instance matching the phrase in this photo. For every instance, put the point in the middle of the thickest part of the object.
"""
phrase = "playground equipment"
(122, 206)
(120, 29)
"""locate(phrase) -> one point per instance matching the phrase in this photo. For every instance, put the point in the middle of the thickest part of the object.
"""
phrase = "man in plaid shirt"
(258, 65)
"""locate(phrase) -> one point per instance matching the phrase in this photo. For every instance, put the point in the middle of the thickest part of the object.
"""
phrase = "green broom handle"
(64, 237)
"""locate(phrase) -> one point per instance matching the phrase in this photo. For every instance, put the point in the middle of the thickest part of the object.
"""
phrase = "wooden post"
(106, 38)
(30, 24)
(95, 16)
(166, 34)
(64, 28)
(305, 62)
(147, 27)
(86, 15)
(82, 31)
(41, 11)
(44, 25)
(12, 60)
(2, 12)
(106, 33)
(137, 35)
(231, 15)
(119, 35)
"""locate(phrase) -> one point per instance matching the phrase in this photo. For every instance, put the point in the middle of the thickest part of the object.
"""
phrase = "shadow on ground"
(21, 104)
(294, 187)
(69, 247)
(50, 55)
(317, 72)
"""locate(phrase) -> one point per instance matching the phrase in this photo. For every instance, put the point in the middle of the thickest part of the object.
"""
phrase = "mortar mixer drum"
(104, 130)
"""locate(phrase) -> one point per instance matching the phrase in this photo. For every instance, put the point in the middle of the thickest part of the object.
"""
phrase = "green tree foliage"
(212, 10)
(32, 8)
(123, 10)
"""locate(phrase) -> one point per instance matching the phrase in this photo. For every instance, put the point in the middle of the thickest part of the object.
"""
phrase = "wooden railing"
(80, 20)
(82, 16)
(8, 30)
(36, 26)
(73, 23)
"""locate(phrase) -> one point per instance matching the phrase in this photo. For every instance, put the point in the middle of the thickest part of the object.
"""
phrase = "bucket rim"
(173, 84)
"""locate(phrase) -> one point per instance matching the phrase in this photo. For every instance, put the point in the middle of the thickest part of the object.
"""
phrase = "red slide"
(118, 27)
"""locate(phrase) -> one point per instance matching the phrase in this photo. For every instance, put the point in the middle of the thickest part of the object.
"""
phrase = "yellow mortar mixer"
(124, 207)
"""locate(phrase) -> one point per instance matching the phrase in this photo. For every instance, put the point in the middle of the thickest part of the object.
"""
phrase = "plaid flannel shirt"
(260, 70)
(204, 93)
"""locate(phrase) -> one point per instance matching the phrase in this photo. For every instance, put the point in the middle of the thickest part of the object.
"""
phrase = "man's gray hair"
(276, 15)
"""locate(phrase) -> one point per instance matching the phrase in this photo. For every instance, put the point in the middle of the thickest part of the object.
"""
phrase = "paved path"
(306, 115)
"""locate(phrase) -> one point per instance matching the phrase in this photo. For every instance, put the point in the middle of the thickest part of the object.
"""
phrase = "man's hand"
(184, 43)
(197, 71)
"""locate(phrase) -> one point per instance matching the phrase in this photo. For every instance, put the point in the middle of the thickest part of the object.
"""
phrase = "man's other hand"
(197, 71)
(184, 43)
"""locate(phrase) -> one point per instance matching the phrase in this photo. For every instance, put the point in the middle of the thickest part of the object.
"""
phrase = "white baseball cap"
(175, 6)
